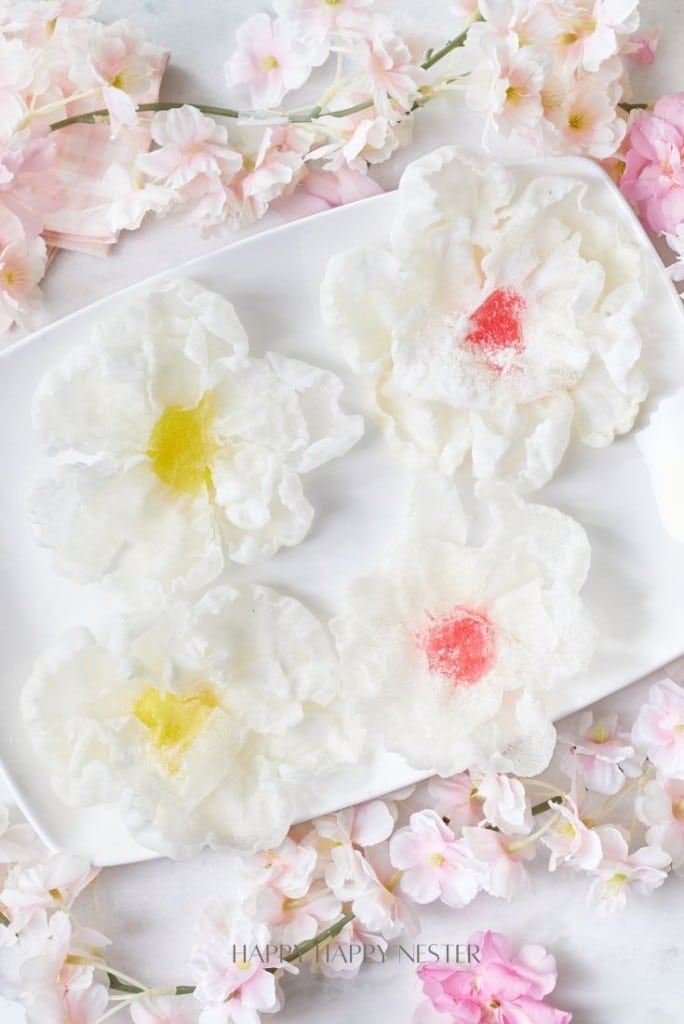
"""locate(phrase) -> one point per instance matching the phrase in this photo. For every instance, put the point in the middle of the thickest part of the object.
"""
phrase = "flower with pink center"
(433, 863)
(165, 1010)
(602, 754)
(654, 165)
(592, 31)
(392, 64)
(193, 160)
(72, 1006)
(230, 963)
(570, 840)
(506, 342)
(29, 185)
(447, 656)
(660, 806)
(498, 860)
(457, 800)
(658, 730)
(621, 871)
(114, 58)
(504, 803)
(269, 60)
(498, 985)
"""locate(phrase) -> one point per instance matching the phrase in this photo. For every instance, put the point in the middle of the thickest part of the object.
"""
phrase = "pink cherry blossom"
(457, 799)
(288, 869)
(654, 165)
(53, 883)
(602, 754)
(359, 139)
(297, 920)
(592, 30)
(29, 186)
(499, 860)
(370, 883)
(72, 1006)
(620, 871)
(659, 728)
(268, 61)
(583, 112)
(500, 986)
(392, 64)
(570, 840)
(364, 825)
(165, 1010)
(229, 964)
(661, 807)
(504, 803)
(318, 20)
(18, 843)
(323, 190)
(273, 165)
(433, 863)
(114, 58)
(22, 266)
(195, 161)
(642, 46)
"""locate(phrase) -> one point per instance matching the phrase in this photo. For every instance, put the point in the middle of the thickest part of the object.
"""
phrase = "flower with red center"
(501, 316)
(450, 643)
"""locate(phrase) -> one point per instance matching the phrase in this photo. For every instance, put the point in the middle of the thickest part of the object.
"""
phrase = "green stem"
(627, 107)
(436, 55)
(4, 920)
(305, 947)
(546, 805)
(120, 986)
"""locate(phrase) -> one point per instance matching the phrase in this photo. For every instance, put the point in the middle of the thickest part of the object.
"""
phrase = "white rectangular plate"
(635, 589)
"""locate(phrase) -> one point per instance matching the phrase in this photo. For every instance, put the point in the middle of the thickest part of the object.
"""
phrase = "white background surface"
(626, 968)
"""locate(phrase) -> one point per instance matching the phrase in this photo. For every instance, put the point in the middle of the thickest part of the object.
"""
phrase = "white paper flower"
(496, 319)
(198, 722)
(453, 644)
(183, 451)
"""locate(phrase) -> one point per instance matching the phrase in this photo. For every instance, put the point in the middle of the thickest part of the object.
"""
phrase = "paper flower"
(496, 320)
(187, 451)
(197, 722)
(451, 644)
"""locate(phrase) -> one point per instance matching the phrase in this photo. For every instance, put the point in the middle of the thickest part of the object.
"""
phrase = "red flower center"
(497, 322)
(460, 646)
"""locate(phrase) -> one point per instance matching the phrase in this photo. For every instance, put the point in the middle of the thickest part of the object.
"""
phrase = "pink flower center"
(460, 646)
(496, 324)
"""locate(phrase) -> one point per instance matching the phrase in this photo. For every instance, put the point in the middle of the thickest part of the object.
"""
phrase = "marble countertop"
(626, 968)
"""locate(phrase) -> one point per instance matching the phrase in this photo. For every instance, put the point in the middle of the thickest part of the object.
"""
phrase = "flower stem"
(122, 983)
(305, 947)
(634, 106)
(546, 805)
(4, 920)
(453, 44)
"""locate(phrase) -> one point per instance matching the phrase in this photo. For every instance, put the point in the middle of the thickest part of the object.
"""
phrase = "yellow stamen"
(437, 859)
(577, 121)
(268, 64)
(515, 94)
(182, 446)
(173, 721)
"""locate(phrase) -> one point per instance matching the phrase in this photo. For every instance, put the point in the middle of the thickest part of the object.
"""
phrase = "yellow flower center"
(182, 446)
(599, 733)
(616, 883)
(678, 809)
(268, 64)
(173, 721)
(566, 829)
(437, 859)
(577, 121)
(515, 94)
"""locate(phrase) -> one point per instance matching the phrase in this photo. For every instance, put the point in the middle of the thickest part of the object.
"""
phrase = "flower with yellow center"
(185, 452)
(201, 723)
